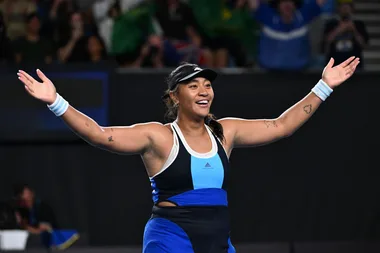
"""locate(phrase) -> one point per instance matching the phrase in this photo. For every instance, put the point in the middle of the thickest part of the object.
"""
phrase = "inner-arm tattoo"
(270, 123)
(110, 139)
(308, 108)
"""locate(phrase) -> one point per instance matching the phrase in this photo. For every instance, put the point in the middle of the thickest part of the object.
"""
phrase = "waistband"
(191, 212)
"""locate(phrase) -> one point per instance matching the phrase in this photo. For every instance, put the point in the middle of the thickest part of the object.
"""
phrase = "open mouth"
(202, 103)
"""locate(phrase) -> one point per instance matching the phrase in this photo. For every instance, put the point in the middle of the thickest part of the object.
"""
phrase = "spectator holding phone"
(344, 36)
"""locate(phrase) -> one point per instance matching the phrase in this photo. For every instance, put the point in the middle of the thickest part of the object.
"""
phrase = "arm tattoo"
(110, 139)
(270, 123)
(307, 108)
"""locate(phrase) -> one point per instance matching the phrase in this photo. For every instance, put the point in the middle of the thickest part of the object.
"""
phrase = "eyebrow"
(197, 81)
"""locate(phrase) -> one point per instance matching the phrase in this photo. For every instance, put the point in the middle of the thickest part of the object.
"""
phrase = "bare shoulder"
(229, 123)
(152, 128)
(229, 130)
(161, 139)
(232, 125)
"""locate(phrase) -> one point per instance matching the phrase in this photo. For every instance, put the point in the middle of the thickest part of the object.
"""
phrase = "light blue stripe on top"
(207, 172)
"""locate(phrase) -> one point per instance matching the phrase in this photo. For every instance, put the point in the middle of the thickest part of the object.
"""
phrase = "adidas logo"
(207, 166)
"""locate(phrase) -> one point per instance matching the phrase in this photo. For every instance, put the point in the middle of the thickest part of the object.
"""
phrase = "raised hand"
(334, 76)
(44, 91)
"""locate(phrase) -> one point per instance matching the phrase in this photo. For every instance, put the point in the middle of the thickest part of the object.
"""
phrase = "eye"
(208, 85)
(192, 86)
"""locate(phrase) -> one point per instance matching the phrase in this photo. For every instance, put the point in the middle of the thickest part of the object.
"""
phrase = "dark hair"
(18, 189)
(172, 109)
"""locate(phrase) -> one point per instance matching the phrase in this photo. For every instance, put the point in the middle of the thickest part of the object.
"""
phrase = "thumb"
(42, 75)
(330, 64)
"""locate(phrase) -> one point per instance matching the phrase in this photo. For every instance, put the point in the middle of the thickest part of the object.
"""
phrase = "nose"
(203, 92)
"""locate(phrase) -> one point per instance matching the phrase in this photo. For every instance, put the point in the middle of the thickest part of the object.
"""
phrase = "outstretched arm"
(244, 133)
(127, 140)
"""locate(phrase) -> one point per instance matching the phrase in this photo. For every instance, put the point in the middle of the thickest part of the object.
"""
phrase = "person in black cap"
(187, 159)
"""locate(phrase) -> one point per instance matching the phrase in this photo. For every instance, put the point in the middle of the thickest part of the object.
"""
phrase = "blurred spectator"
(73, 43)
(96, 49)
(104, 21)
(284, 42)
(343, 36)
(213, 17)
(181, 30)
(60, 10)
(14, 13)
(32, 48)
(328, 8)
(134, 41)
(239, 24)
(43, 11)
(36, 215)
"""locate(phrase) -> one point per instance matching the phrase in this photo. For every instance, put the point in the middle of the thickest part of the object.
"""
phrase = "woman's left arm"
(245, 133)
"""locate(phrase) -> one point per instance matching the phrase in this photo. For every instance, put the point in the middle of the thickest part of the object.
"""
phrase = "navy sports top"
(189, 178)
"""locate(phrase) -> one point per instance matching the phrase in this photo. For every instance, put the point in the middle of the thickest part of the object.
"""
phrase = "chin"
(202, 113)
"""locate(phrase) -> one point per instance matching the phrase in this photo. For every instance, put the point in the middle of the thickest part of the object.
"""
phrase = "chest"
(201, 144)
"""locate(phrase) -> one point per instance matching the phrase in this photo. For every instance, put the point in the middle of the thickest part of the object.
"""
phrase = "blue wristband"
(322, 90)
(59, 106)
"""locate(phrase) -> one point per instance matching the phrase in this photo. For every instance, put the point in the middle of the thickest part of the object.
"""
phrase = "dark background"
(321, 184)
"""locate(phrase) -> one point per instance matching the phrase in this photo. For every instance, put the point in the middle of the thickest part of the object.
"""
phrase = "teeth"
(202, 102)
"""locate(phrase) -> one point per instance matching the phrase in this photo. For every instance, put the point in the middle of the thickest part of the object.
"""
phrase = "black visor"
(188, 72)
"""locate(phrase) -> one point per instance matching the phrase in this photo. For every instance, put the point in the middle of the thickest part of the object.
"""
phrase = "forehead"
(199, 80)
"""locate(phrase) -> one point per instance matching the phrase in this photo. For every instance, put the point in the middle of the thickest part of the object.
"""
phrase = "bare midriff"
(166, 204)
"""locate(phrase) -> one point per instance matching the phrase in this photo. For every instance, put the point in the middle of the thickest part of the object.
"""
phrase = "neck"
(96, 57)
(32, 37)
(190, 126)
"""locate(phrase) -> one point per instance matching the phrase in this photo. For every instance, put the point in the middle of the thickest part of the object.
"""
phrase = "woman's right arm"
(127, 140)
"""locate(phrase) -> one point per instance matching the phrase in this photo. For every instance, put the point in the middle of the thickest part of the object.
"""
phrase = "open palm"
(44, 91)
(334, 76)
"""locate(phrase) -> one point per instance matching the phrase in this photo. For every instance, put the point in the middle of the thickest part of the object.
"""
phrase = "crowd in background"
(271, 34)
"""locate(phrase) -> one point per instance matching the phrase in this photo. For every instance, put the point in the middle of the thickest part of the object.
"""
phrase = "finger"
(23, 79)
(27, 76)
(352, 69)
(330, 64)
(42, 75)
(347, 62)
(352, 66)
(29, 90)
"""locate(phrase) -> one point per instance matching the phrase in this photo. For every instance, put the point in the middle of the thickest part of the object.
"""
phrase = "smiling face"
(194, 98)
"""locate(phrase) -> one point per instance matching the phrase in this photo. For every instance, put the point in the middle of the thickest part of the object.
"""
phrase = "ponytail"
(215, 126)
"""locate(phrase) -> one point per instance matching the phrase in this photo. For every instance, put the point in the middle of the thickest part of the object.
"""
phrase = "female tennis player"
(187, 160)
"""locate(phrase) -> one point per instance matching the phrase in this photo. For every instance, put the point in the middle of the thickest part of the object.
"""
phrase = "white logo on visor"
(197, 68)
